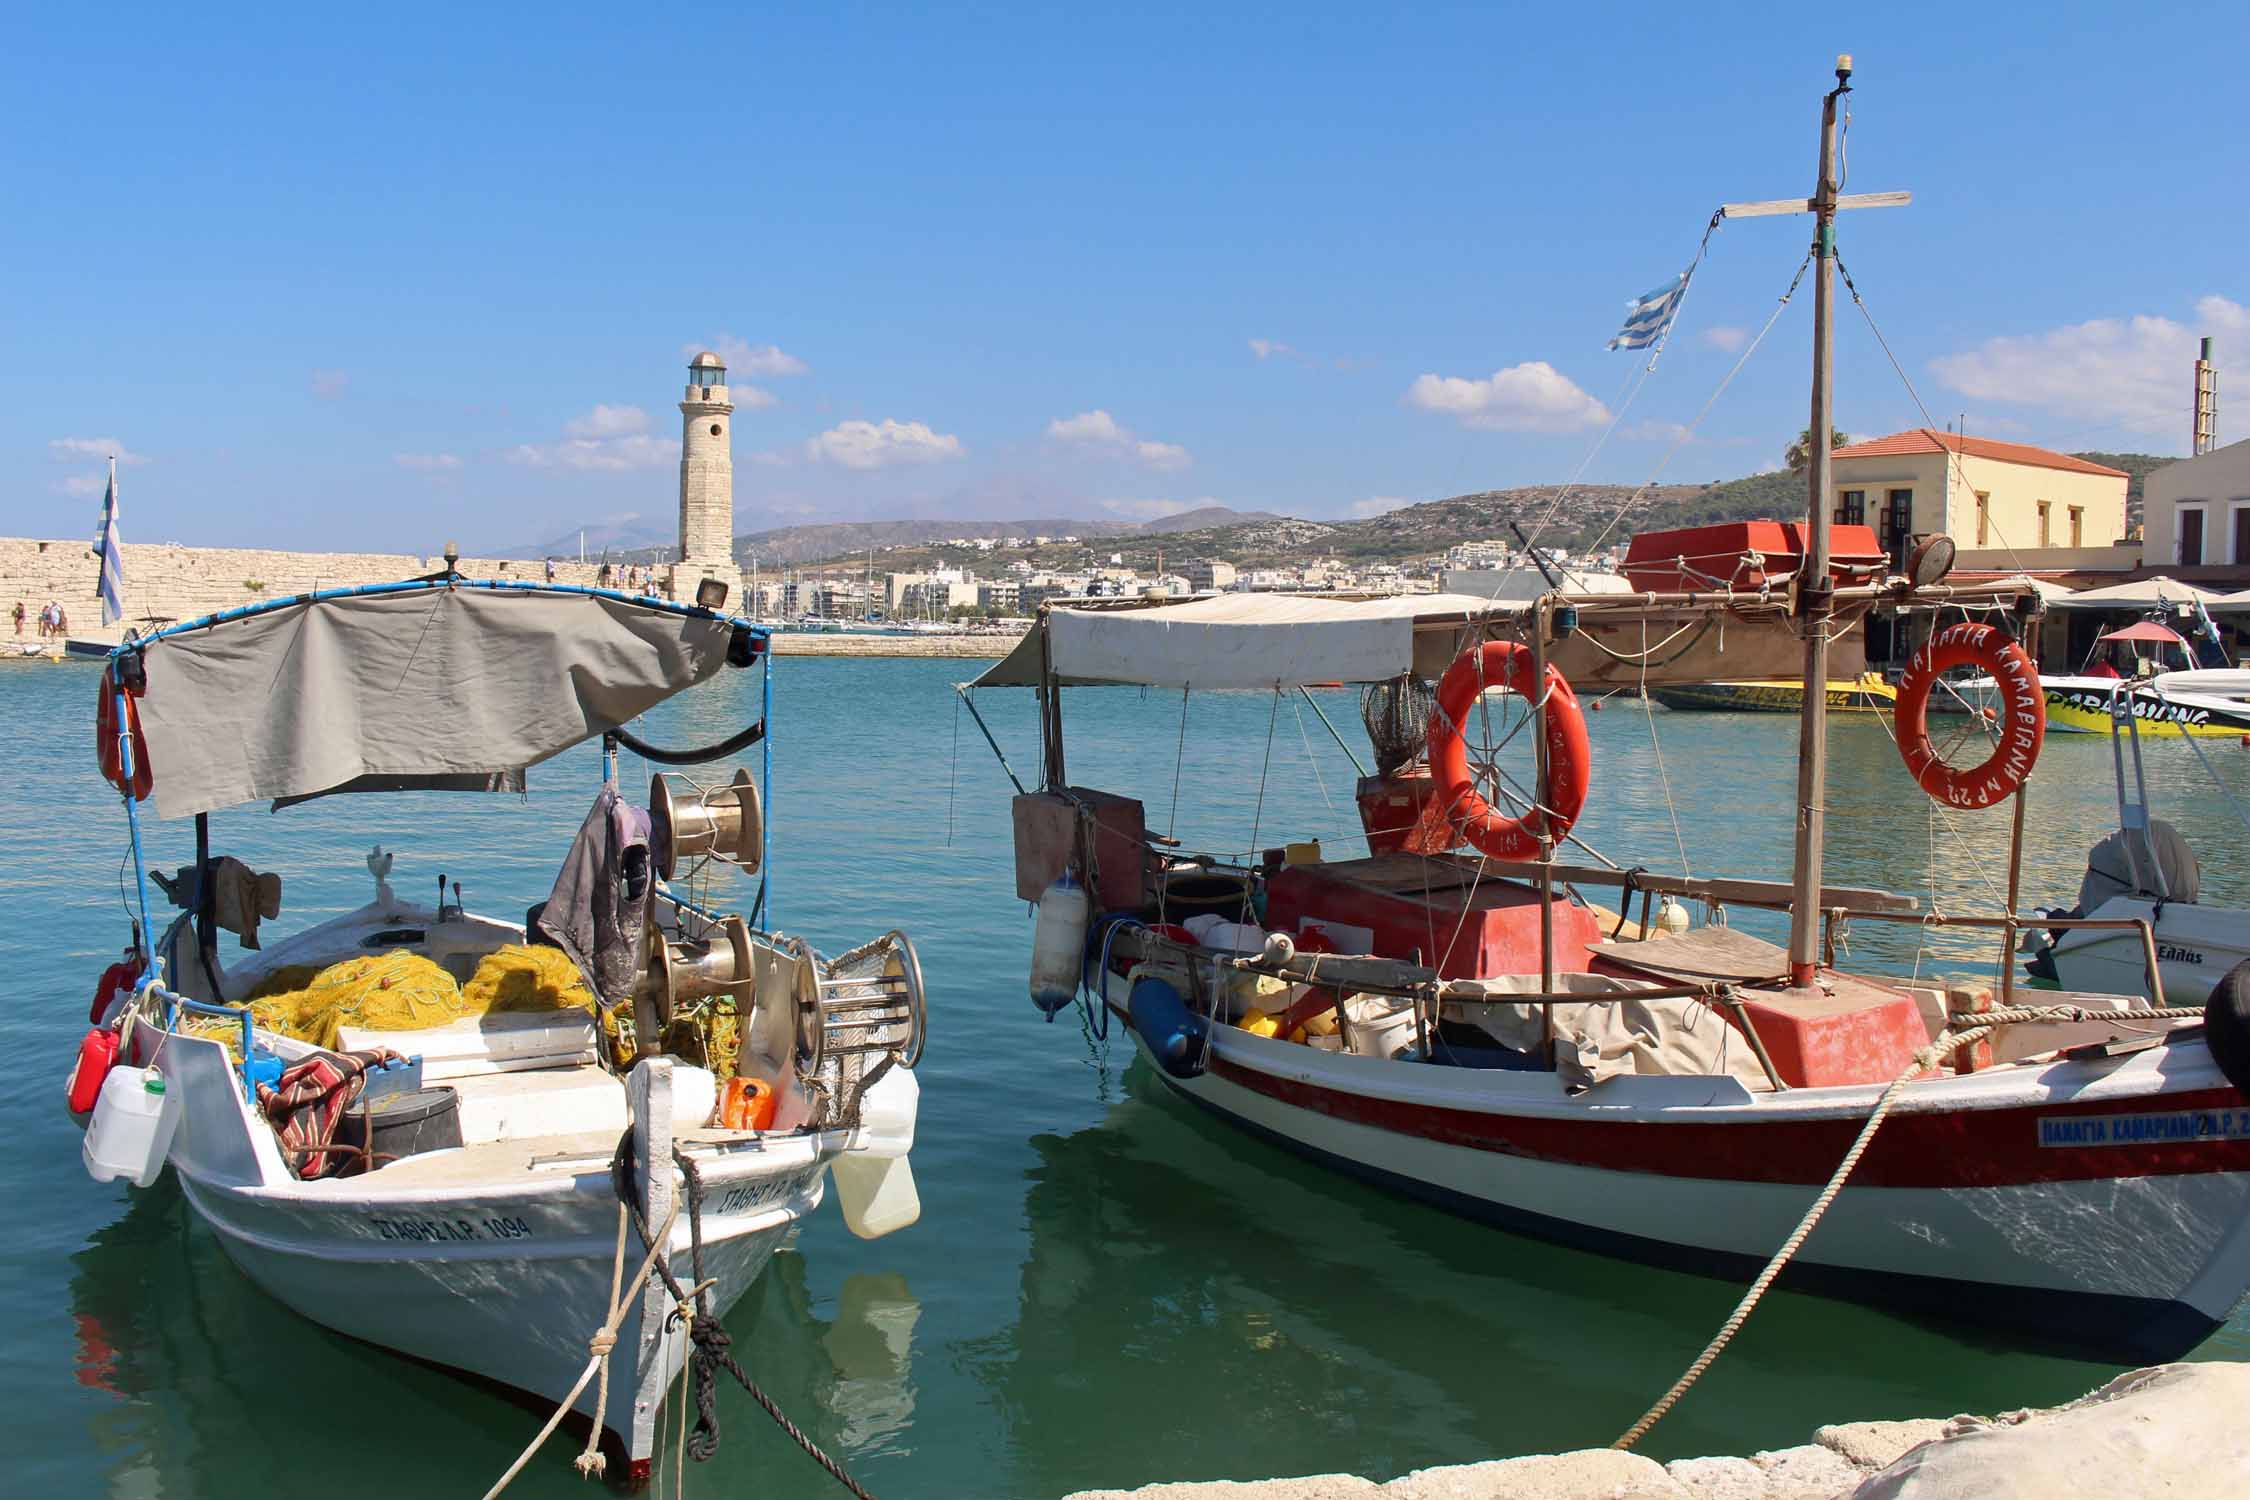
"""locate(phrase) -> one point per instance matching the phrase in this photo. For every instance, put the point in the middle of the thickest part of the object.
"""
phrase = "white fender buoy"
(1058, 944)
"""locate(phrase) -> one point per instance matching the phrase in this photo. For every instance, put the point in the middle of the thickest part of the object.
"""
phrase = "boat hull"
(2082, 706)
(493, 1260)
(2195, 947)
(1774, 697)
(1963, 1212)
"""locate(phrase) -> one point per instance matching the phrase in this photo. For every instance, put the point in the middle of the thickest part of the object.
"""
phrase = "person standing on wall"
(19, 619)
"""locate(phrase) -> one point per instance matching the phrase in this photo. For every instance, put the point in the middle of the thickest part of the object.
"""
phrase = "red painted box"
(1463, 924)
(1700, 558)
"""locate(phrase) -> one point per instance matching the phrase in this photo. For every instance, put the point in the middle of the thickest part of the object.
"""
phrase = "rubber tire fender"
(2226, 1026)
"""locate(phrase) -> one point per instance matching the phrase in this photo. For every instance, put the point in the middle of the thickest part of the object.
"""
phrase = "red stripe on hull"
(1969, 1148)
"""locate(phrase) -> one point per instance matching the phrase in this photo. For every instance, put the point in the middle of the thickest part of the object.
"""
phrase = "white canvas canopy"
(1237, 641)
(447, 687)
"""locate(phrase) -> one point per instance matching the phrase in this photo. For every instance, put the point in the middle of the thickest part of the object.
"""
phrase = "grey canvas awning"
(449, 687)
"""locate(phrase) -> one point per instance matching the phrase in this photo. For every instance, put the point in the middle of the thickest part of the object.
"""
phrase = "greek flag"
(112, 586)
(1652, 314)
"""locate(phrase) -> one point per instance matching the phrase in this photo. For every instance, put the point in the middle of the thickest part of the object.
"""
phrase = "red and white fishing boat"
(1451, 1016)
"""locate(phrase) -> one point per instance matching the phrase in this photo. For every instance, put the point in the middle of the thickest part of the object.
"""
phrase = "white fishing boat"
(465, 1151)
(1450, 1017)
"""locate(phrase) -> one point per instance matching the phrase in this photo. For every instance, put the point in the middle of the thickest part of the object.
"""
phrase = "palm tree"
(1799, 453)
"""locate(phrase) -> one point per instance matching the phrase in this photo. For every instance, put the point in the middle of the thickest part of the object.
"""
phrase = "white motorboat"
(459, 1187)
(2146, 872)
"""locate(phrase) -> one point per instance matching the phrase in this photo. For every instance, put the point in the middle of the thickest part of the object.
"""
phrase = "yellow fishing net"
(396, 991)
(403, 991)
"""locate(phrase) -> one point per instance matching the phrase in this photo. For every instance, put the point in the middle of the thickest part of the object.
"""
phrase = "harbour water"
(1105, 1288)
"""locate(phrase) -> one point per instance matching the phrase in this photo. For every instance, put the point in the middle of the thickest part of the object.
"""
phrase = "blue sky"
(370, 279)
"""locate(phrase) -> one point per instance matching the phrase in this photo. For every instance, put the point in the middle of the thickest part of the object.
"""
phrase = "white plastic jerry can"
(130, 1134)
(874, 1182)
(1058, 944)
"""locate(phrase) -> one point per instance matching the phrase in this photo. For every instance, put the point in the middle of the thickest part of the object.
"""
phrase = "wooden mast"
(1815, 587)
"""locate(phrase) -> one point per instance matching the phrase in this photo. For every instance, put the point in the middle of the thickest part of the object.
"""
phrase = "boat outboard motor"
(2226, 1025)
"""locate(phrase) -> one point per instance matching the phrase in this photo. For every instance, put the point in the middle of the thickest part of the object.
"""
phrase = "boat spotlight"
(711, 593)
(725, 823)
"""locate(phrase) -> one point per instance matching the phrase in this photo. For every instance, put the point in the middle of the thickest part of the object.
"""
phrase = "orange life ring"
(1570, 757)
(105, 739)
(2023, 715)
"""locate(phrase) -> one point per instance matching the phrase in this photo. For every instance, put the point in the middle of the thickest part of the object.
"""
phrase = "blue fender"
(1178, 1038)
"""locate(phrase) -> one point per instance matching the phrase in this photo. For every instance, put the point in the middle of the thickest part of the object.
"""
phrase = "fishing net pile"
(1397, 715)
(403, 991)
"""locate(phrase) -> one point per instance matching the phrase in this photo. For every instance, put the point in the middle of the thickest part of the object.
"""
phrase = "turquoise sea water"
(1106, 1288)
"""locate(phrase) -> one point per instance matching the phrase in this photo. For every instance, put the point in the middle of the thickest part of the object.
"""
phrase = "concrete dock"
(2173, 1431)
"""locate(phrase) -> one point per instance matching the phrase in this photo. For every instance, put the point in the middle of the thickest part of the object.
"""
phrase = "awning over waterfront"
(438, 687)
(2142, 593)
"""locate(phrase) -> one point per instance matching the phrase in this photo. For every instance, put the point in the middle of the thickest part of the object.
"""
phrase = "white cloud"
(1530, 397)
(879, 445)
(1087, 427)
(1098, 429)
(1376, 505)
(329, 384)
(1656, 432)
(71, 450)
(427, 462)
(608, 422)
(2126, 372)
(84, 484)
(607, 439)
(1271, 348)
(770, 458)
(1724, 337)
(745, 358)
(757, 398)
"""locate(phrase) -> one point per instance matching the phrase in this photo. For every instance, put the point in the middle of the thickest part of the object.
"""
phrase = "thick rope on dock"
(1928, 1057)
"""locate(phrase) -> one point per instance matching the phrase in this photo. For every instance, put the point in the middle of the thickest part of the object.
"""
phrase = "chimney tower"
(2206, 403)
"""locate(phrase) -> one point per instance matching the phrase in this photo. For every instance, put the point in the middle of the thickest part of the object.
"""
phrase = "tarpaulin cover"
(1239, 640)
(455, 688)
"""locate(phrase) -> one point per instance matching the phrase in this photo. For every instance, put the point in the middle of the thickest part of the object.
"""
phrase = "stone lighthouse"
(707, 482)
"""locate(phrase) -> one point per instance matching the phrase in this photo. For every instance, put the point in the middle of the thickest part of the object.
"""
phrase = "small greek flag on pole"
(1651, 316)
(113, 556)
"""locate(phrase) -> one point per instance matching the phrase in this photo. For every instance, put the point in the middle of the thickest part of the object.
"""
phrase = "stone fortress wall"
(179, 582)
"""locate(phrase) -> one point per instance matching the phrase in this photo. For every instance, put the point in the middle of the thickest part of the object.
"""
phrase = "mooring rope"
(1924, 1059)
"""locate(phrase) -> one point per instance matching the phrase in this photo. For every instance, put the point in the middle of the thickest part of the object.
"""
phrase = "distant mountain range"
(1580, 517)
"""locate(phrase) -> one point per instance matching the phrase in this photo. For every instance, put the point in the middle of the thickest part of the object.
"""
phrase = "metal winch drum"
(726, 823)
(685, 971)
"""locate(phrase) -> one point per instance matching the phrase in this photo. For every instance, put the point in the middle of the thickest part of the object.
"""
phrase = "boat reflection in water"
(1195, 1305)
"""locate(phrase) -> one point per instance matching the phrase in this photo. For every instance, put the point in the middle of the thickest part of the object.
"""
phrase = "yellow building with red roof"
(1987, 495)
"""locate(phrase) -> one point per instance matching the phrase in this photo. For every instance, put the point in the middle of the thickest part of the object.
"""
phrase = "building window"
(2078, 526)
(1898, 524)
(2240, 511)
(2045, 522)
(2187, 536)
(1853, 511)
(1984, 518)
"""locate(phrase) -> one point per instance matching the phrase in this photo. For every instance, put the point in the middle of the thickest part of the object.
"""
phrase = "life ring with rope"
(106, 737)
(1508, 664)
(2023, 715)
